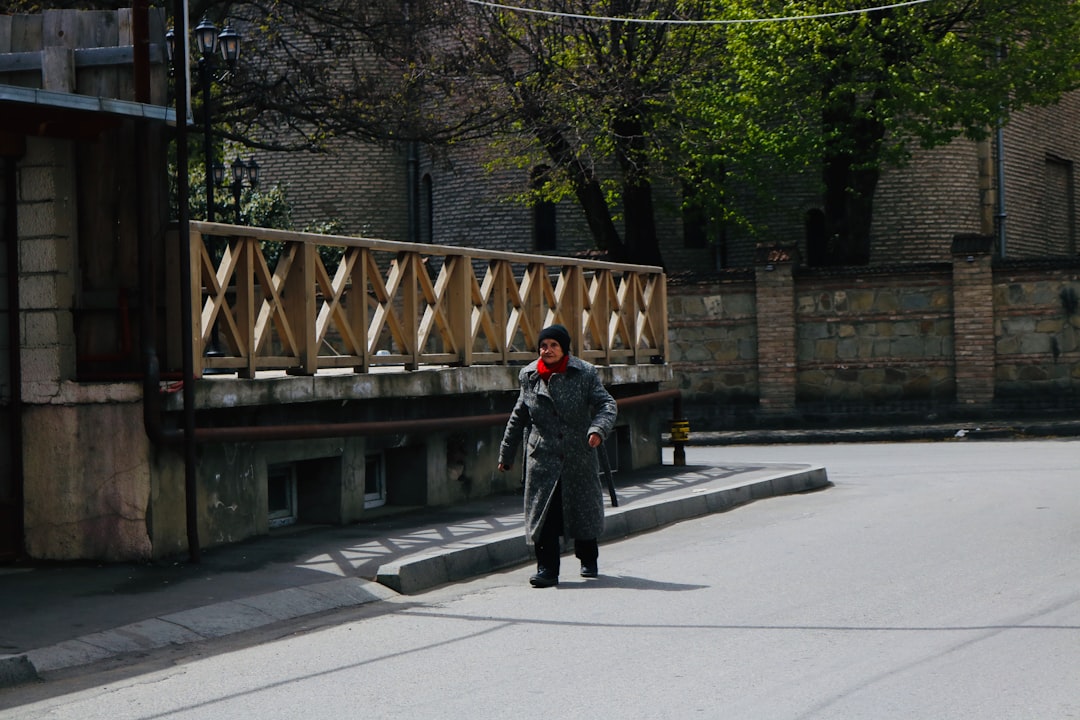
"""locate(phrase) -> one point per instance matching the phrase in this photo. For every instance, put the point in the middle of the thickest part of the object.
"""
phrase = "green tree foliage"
(596, 97)
(593, 97)
(613, 107)
(848, 94)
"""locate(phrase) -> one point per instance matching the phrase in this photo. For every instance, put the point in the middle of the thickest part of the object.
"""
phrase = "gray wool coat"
(557, 418)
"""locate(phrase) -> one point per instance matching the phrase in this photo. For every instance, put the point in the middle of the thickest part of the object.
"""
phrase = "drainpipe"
(412, 192)
(1000, 142)
(11, 242)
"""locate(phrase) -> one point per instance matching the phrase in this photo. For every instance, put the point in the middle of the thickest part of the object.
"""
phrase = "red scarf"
(547, 371)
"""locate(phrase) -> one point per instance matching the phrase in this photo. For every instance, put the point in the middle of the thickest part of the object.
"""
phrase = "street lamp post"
(209, 42)
(242, 171)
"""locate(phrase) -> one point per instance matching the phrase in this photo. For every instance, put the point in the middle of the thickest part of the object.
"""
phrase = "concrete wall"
(97, 488)
(88, 470)
(422, 468)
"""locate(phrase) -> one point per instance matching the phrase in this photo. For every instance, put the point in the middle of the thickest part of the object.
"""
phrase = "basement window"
(281, 495)
(375, 481)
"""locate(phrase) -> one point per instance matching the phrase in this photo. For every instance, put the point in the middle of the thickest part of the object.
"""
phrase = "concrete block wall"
(87, 486)
(46, 213)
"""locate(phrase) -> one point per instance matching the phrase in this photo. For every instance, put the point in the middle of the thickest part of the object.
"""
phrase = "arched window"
(695, 221)
(543, 213)
(817, 243)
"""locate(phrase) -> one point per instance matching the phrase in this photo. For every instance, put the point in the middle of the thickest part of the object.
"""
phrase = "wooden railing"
(404, 304)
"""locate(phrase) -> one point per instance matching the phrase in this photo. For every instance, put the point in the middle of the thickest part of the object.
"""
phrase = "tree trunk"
(587, 190)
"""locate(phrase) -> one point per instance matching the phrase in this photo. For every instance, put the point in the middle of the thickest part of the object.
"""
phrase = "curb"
(461, 561)
(203, 623)
(451, 563)
(959, 431)
(16, 670)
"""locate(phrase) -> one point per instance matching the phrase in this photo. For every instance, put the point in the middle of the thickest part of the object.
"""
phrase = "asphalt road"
(933, 581)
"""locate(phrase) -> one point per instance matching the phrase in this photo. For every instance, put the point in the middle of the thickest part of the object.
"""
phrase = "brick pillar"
(973, 319)
(775, 289)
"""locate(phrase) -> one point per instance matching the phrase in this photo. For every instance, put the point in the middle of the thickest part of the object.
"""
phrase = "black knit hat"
(557, 333)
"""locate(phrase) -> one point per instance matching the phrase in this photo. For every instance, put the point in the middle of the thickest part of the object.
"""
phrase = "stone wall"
(794, 345)
(883, 338)
(1037, 334)
(712, 342)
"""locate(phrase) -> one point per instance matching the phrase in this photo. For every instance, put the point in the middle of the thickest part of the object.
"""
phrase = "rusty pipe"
(268, 433)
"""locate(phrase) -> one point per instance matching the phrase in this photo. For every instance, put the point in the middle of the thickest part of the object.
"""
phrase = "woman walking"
(564, 412)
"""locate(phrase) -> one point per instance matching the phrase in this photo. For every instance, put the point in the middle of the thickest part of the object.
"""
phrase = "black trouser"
(547, 545)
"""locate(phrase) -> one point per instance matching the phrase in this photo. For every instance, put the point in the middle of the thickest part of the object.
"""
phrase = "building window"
(427, 216)
(281, 495)
(817, 241)
(543, 220)
(1060, 216)
(695, 222)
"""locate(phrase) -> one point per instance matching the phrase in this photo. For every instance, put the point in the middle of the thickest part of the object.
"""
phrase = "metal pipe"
(186, 320)
(1001, 215)
(269, 433)
(1000, 151)
(208, 142)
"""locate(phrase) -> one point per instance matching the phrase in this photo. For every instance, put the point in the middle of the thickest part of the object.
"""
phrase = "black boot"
(544, 578)
(588, 553)
(549, 546)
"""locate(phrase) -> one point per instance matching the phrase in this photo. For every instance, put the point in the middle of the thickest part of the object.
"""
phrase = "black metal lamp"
(242, 171)
(229, 40)
(253, 173)
(239, 170)
(170, 46)
(206, 35)
(219, 174)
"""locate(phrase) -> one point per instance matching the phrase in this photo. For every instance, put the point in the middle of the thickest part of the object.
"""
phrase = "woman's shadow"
(630, 583)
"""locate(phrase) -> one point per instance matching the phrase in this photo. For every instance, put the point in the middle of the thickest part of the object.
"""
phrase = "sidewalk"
(63, 616)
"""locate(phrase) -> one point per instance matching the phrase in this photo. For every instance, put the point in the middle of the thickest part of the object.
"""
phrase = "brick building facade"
(918, 208)
(921, 328)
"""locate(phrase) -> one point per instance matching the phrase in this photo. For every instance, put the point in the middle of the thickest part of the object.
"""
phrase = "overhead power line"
(659, 21)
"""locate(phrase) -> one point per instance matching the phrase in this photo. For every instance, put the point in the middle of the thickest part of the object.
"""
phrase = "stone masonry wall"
(712, 343)
(875, 339)
(1037, 334)
(973, 336)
